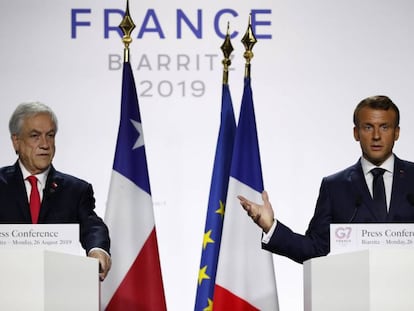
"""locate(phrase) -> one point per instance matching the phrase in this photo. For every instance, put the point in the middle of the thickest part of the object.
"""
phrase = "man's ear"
(397, 133)
(356, 133)
(15, 141)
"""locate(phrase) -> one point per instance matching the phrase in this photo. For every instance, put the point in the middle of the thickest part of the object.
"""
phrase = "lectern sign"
(354, 237)
(56, 237)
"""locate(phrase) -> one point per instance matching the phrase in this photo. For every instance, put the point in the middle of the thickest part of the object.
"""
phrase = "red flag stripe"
(142, 288)
(225, 300)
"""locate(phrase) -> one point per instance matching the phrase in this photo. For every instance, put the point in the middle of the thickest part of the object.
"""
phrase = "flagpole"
(248, 40)
(227, 48)
(127, 26)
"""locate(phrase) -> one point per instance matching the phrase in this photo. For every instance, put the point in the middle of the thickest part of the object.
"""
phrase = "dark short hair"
(380, 102)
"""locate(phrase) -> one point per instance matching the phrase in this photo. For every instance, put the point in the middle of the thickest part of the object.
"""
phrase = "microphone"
(410, 198)
(358, 202)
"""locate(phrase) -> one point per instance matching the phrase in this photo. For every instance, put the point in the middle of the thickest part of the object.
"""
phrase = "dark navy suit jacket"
(343, 198)
(66, 199)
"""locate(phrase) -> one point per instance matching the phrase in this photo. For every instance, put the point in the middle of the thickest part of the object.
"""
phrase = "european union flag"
(217, 199)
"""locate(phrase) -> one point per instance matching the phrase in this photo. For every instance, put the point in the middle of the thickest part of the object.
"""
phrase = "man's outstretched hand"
(262, 215)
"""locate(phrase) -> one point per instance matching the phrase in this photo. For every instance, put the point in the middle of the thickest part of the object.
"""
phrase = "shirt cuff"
(99, 249)
(266, 236)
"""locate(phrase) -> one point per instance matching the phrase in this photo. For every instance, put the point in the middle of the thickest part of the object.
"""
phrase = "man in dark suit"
(63, 198)
(347, 196)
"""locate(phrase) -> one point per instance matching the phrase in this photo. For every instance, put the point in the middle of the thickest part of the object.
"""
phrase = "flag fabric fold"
(135, 280)
(245, 277)
(216, 204)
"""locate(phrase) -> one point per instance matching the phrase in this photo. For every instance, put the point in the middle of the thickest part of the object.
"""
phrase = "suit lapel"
(398, 187)
(52, 188)
(19, 193)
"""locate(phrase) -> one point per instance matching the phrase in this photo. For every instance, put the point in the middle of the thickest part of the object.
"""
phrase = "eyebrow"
(35, 131)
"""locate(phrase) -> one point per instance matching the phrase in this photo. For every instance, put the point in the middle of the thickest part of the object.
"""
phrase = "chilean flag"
(245, 279)
(134, 281)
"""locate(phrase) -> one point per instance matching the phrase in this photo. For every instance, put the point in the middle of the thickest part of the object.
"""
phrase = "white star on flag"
(140, 140)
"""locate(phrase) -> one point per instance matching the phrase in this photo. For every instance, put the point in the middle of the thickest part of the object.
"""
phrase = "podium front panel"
(41, 280)
(369, 280)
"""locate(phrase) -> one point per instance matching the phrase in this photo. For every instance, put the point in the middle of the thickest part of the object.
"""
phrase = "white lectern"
(41, 280)
(368, 280)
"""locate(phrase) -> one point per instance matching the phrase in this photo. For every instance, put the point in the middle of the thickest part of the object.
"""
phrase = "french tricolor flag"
(245, 279)
(135, 281)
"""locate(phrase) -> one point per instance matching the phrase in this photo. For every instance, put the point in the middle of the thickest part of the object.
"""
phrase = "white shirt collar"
(388, 165)
(40, 177)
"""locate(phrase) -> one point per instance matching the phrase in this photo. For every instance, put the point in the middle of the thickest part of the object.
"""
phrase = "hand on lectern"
(104, 262)
(262, 215)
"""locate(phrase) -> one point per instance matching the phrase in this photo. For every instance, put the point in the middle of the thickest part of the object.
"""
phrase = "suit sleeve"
(315, 242)
(93, 231)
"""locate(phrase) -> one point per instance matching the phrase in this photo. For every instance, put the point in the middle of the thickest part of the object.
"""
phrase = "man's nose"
(44, 142)
(376, 134)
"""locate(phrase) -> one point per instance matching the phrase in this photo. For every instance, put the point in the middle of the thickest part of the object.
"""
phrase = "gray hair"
(25, 110)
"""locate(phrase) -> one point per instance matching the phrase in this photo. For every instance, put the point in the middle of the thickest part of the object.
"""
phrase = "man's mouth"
(376, 147)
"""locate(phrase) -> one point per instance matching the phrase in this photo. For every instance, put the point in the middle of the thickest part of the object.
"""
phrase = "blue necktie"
(378, 191)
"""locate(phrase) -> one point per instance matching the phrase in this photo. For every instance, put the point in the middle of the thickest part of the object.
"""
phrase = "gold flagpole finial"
(248, 40)
(127, 25)
(227, 48)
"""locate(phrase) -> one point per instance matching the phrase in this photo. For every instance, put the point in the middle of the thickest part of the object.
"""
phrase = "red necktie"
(34, 199)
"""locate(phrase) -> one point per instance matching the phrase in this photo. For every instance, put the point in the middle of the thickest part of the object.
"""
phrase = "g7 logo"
(343, 232)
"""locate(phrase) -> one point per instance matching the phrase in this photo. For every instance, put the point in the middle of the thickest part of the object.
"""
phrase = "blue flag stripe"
(246, 165)
(131, 161)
